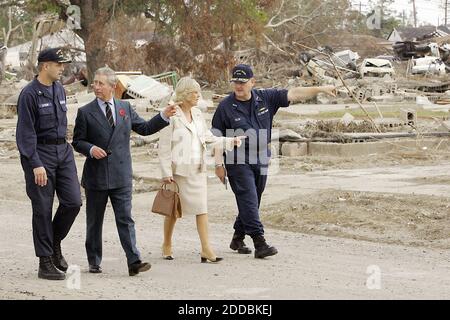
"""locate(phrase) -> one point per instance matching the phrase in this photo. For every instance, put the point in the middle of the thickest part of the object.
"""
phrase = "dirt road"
(308, 266)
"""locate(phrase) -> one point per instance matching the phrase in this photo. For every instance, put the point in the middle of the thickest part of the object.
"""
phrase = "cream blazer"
(175, 142)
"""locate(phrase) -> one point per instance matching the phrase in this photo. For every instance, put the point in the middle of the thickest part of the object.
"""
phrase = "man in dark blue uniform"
(48, 162)
(250, 112)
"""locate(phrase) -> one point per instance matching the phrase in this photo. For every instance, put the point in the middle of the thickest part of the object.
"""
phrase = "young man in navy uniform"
(48, 162)
(250, 112)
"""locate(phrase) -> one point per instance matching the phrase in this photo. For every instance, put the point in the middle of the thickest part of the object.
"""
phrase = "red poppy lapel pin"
(123, 114)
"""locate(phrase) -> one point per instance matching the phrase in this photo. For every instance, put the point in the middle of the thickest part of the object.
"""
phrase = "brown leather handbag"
(167, 202)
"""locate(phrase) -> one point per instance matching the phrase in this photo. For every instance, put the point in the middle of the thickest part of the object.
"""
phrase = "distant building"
(18, 55)
(402, 34)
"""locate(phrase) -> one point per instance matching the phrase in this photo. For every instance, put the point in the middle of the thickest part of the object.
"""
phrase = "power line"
(445, 12)
(425, 11)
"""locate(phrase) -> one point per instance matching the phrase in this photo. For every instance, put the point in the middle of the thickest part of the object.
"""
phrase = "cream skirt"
(193, 193)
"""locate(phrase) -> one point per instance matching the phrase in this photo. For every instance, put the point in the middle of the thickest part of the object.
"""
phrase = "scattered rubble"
(376, 68)
(419, 82)
(147, 87)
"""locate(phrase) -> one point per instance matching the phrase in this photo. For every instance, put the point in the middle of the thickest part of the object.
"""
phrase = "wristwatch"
(219, 165)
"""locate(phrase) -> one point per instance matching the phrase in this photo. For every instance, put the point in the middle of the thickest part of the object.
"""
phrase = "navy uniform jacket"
(40, 116)
(255, 123)
(92, 128)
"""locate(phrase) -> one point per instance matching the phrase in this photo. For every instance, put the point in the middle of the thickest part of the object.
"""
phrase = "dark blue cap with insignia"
(53, 54)
(241, 73)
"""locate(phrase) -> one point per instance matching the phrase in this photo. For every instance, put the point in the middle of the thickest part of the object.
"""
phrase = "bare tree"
(6, 37)
(304, 21)
(41, 24)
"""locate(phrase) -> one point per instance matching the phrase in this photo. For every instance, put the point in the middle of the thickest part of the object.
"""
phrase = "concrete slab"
(367, 148)
(294, 149)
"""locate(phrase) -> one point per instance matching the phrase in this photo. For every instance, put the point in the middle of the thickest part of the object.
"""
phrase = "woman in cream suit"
(182, 154)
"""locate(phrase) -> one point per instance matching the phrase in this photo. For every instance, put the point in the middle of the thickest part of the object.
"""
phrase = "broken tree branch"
(275, 46)
(278, 12)
(314, 14)
(270, 24)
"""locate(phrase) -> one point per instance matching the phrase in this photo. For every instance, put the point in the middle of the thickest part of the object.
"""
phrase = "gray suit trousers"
(95, 211)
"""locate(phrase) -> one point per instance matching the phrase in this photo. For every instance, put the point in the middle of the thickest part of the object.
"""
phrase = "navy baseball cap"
(241, 73)
(53, 54)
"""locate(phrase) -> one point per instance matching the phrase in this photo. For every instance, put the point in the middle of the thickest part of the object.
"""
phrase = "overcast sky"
(428, 11)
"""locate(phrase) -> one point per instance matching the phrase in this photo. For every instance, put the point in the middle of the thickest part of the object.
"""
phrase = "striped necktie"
(109, 115)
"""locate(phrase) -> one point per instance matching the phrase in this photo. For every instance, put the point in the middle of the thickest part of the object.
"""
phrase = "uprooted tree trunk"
(3, 52)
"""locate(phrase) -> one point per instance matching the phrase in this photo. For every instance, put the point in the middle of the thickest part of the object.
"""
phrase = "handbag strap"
(164, 186)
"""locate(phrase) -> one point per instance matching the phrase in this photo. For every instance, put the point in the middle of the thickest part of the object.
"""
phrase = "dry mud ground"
(333, 220)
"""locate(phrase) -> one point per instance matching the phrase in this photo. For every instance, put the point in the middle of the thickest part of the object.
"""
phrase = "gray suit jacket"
(92, 128)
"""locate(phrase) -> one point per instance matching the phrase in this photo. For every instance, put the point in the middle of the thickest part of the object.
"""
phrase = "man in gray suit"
(102, 134)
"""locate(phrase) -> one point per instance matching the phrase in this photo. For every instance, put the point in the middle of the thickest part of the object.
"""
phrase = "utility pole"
(414, 13)
(445, 13)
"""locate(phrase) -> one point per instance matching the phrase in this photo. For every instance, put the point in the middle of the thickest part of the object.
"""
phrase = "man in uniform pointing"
(250, 112)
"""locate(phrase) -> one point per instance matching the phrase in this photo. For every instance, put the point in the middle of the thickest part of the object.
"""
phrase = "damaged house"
(404, 34)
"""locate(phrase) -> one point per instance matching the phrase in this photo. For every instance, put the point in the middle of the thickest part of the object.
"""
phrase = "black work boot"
(237, 243)
(57, 257)
(47, 270)
(262, 249)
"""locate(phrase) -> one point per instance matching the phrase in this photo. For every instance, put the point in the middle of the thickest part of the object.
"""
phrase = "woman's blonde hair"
(185, 86)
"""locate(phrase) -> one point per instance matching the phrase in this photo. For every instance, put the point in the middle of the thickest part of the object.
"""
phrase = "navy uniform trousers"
(248, 185)
(248, 178)
(59, 163)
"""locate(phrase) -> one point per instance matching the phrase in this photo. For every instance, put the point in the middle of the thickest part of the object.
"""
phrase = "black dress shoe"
(95, 269)
(48, 271)
(135, 268)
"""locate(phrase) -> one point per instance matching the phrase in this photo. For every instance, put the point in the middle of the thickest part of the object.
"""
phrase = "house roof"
(420, 33)
(64, 37)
